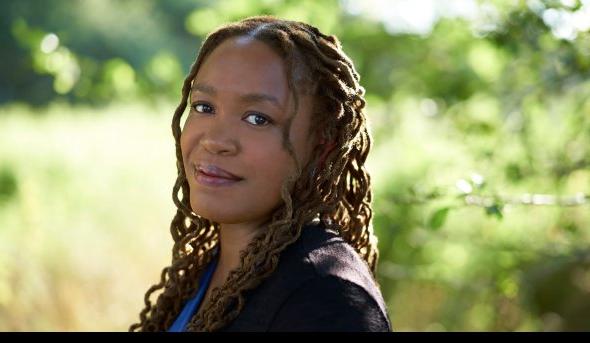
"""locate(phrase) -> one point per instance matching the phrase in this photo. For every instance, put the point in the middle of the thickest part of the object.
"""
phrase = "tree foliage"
(465, 117)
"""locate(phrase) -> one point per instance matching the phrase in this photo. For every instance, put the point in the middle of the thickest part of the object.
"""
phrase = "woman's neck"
(233, 239)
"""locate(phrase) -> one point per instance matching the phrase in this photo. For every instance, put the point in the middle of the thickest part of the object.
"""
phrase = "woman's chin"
(223, 213)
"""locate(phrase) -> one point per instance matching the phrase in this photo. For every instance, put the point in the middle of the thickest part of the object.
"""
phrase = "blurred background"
(480, 113)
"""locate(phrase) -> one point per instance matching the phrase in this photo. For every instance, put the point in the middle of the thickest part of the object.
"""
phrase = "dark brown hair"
(335, 186)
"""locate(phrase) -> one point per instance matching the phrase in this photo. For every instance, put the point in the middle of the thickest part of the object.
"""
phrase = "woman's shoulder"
(318, 277)
(331, 255)
(328, 254)
(330, 303)
(322, 276)
(336, 278)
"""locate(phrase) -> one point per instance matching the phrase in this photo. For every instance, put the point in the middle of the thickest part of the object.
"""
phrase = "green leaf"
(438, 218)
(495, 210)
(8, 184)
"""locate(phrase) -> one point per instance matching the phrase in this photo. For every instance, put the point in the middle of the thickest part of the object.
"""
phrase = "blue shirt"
(192, 305)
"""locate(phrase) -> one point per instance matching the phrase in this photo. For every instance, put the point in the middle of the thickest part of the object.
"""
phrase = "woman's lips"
(215, 171)
(210, 175)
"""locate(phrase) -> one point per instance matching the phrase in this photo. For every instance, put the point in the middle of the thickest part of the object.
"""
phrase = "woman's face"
(239, 104)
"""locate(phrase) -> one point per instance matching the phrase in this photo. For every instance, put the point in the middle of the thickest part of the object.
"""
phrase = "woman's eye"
(257, 119)
(203, 108)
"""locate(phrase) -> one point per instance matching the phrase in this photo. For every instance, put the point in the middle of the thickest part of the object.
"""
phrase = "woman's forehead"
(244, 66)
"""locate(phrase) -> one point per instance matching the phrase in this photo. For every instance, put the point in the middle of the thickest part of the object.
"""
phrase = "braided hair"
(333, 184)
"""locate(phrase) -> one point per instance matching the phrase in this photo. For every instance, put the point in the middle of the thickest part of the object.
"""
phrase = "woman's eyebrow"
(203, 88)
(248, 97)
(260, 97)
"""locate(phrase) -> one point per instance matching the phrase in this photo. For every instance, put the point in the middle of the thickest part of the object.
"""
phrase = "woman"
(273, 228)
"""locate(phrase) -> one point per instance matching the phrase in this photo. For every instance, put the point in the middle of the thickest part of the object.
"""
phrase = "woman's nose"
(216, 141)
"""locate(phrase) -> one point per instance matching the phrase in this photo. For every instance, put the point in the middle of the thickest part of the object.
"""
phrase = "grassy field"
(85, 207)
(85, 232)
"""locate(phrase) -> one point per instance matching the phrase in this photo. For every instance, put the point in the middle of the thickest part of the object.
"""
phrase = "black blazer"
(320, 284)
